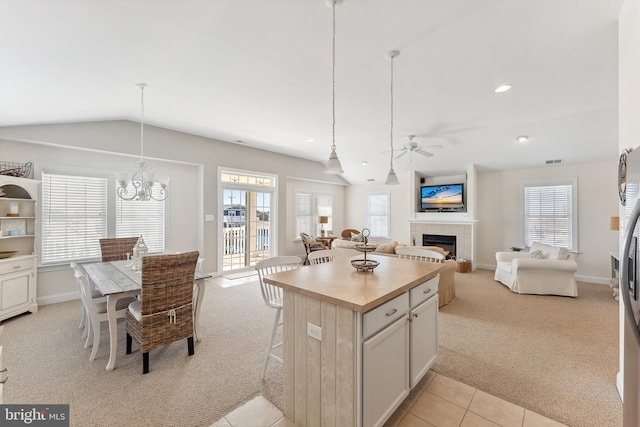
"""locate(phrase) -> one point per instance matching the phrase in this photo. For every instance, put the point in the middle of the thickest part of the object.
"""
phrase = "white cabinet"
(18, 260)
(401, 351)
(385, 361)
(423, 339)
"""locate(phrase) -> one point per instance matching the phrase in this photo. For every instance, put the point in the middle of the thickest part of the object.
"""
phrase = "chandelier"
(392, 178)
(333, 165)
(142, 180)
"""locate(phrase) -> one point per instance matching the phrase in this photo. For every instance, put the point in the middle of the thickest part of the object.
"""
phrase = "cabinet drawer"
(16, 265)
(424, 291)
(385, 314)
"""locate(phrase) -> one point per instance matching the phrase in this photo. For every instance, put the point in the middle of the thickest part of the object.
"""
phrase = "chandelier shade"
(141, 184)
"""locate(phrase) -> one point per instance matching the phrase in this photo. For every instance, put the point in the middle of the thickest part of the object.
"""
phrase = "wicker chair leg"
(190, 346)
(145, 363)
(129, 340)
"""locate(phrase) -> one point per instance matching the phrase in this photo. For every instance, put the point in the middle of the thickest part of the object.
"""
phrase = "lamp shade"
(323, 220)
(614, 223)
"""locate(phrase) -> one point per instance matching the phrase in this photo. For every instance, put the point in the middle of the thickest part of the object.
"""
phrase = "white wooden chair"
(95, 294)
(272, 296)
(420, 254)
(320, 257)
(96, 312)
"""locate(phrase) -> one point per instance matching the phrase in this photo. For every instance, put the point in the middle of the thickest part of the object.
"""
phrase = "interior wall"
(293, 244)
(501, 213)
(115, 145)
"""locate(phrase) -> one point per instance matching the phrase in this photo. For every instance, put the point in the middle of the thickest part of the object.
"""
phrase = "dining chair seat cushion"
(135, 308)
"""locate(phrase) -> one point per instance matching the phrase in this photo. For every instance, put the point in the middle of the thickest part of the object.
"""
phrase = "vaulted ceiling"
(259, 72)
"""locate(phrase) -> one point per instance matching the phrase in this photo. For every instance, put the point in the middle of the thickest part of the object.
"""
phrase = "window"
(549, 214)
(136, 218)
(75, 216)
(378, 214)
(308, 207)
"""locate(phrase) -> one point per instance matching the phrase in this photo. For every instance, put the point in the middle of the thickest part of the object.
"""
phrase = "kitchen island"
(356, 343)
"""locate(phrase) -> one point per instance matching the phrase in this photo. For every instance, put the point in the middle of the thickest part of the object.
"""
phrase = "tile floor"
(437, 401)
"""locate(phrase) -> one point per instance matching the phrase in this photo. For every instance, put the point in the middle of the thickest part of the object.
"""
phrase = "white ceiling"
(259, 71)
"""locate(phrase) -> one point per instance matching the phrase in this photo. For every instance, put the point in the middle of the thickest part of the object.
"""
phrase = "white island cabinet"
(18, 260)
(378, 339)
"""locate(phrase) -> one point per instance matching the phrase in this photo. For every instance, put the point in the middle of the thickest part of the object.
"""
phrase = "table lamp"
(322, 220)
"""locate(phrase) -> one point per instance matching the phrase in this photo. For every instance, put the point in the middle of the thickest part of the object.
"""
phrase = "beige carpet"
(556, 356)
(48, 364)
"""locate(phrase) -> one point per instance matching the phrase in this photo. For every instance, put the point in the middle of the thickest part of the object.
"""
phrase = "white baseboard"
(54, 299)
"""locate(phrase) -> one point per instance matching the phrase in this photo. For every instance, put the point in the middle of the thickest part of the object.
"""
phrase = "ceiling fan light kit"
(392, 178)
(333, 164)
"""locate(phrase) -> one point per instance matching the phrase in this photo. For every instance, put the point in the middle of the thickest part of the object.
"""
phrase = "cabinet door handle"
(392, 312)
(415, 314)
(427, 291)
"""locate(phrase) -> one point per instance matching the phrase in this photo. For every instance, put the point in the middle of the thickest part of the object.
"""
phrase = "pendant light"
(333, 165)
(142, 179)
(392, 178)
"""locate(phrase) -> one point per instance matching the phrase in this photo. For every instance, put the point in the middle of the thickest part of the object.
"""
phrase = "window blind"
(74, 217)
(138, 218)
(549, 215)
(303, 214)
(378, 214)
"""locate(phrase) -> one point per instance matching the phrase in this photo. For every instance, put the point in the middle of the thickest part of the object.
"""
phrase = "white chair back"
(320, 257)
(420, 254)
(273, 294)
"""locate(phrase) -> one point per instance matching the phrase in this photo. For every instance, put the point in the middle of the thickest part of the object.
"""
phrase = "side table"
(326, 240)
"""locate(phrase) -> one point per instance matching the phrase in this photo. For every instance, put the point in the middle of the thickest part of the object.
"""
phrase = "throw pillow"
(535, 254)
(357, 237)
(387, 249)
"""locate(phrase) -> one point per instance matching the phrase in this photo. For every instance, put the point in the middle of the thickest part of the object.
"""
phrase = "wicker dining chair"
(272, 296)
(164, 312)
(117, 248)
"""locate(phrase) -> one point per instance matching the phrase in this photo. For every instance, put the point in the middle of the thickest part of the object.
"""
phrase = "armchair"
(311, 245)
(551, 273)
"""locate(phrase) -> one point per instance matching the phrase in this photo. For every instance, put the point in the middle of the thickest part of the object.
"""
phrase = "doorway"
(247, 232)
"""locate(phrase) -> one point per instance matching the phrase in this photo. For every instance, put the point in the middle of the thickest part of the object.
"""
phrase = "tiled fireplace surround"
(463, 230)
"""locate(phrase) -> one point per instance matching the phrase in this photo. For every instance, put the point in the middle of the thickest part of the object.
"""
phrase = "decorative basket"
(21, 170)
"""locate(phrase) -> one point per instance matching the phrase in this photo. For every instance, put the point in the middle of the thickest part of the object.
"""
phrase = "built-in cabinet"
(399, 346)
(18, 260)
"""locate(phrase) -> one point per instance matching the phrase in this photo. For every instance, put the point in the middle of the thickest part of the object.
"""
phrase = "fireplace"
(448, 243)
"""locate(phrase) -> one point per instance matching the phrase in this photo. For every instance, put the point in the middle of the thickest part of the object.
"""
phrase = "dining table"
(116, 280)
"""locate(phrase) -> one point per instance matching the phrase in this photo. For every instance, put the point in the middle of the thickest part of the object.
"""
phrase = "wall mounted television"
(442, 198)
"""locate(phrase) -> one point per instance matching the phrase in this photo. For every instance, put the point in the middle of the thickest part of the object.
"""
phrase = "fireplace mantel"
(443, 221)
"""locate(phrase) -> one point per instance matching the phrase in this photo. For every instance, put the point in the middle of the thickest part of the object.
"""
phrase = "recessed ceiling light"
(365, 163)
(310, 140)
(523, 138)
(502, 88)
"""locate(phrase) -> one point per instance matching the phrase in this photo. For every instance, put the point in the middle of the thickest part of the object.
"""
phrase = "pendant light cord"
(333, 79)
(391, 128)
(142, 85)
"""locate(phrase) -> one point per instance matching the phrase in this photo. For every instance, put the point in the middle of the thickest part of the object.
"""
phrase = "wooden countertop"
(339, 283)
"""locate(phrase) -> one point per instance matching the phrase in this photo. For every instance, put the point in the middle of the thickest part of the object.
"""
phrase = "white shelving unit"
(18, 272)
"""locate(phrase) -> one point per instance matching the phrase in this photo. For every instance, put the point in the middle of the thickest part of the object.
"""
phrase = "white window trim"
(574, 206)
(366, 213)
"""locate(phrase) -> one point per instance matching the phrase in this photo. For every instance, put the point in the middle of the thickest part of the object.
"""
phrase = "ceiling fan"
(413, 146)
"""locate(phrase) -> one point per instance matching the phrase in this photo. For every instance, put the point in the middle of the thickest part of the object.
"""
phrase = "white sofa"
(544, 270)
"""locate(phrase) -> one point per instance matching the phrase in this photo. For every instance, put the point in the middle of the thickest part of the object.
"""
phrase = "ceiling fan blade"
(424, 153)
(431, 146)
(401, 154)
